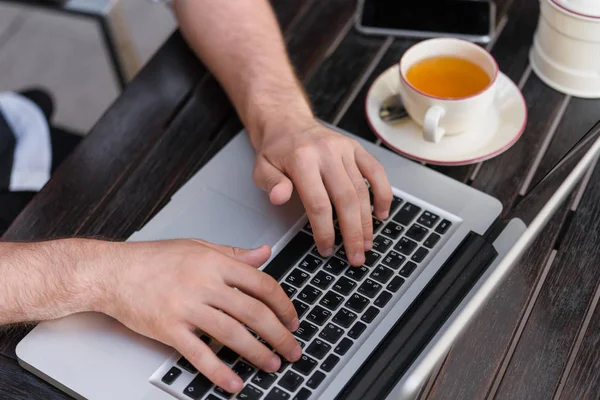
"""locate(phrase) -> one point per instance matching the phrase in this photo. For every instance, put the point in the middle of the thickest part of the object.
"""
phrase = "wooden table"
(538, 338)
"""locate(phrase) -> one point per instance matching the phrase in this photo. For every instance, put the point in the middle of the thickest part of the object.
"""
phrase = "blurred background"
(66, 53)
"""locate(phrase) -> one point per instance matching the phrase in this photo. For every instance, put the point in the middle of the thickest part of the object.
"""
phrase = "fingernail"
(385, 215)
(296, 353)
(294, 325)
(274, 363)
(328, 252)
(358, 259)
(235, 385)
(368, 245)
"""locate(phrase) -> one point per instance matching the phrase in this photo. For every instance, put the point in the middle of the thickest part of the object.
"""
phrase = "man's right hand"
(166, 290)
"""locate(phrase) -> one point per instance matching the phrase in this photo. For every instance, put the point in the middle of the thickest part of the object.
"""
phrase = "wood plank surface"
(17, 384)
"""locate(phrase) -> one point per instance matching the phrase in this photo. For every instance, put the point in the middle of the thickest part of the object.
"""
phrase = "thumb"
(273, 181)
(253, 257)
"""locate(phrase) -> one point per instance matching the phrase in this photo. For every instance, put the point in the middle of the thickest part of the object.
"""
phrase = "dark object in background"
(63, 143)
(473, 20)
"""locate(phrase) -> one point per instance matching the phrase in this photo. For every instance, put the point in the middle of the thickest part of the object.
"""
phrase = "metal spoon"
(392, 109)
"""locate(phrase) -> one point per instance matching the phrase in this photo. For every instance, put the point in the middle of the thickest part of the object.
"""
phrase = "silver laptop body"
(93, 356)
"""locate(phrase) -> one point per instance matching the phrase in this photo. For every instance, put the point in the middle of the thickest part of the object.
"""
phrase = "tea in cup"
(447, 86)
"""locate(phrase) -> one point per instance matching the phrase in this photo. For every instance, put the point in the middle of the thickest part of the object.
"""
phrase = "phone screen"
(469, 17)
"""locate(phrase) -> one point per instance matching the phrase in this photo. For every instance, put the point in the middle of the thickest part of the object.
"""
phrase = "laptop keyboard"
(336, 305)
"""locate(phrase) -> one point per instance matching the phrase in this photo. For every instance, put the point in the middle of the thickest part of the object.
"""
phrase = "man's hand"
(326, 167)
(166, 290)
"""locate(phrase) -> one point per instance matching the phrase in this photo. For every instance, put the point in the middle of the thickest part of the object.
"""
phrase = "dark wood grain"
(503, 176)
(16, 384)
(583, 381)
(580, 115)
(560, 308)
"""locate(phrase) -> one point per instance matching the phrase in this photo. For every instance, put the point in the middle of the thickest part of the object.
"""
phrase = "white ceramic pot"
(566, 47)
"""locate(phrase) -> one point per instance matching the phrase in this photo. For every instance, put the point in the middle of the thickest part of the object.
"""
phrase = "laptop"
(371, 332)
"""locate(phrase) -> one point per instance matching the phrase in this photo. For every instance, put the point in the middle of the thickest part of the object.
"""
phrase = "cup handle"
(431, 125)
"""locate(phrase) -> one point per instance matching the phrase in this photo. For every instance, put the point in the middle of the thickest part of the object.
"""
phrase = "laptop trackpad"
(211, 216)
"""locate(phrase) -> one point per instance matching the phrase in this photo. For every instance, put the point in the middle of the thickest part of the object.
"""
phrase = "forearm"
(47, 280)
(241, 43)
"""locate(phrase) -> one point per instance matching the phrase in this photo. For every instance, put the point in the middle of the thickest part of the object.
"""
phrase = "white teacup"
(447, 116)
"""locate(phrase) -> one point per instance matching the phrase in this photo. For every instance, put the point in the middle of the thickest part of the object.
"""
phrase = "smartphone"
(472, 20)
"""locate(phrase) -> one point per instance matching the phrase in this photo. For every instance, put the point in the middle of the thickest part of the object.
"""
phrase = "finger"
(308, 181)
(373, 171)
(263, 321)
(344, 197)
(205, 361)
(234, 335)
(272, 181)
(263, 287)
(365, 203)
(253, 257)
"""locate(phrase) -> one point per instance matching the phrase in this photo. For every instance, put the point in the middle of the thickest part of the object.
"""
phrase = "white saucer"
(496, 134)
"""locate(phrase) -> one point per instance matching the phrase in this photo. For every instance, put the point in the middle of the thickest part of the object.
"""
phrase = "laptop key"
(335, 266)
(221, 392)
(227, 355)
(405, 246)
(303, 394)
(420, 254)
(170, 376)
(381, 243)
(289, 290)
(393, 259)
(185, 364)
(322, 280)
(289, 255)
(198, 387)
(250, 393)
(331, 300)
(344, 346)
(310, 263)
(428, 219)
(309, 294)
(332, 333)
(319, 315)
(396, 201)
(315, 380)
(300, 307)
(306, 331)
(297, 277)
(357, 303)
(370, 314)
(369, 288)
(407, 214)
(243, 370)
(330, 363)
(338, 237)
(357, 273)
(408, 269)
(417, 232)
(278, 394)
(371, 258)
(443, 227)
(357, 329)
(344, 318)
(284, 363)
(212, 397)
(264, 379)
(344, 285)
(308, 228)
(376, 224)
(318, 349)
(304, 365)
(381, 274)
(291, 381)
(341, 254)
(392, 230)
(383, 299)
(432, 240)
(395, 284)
